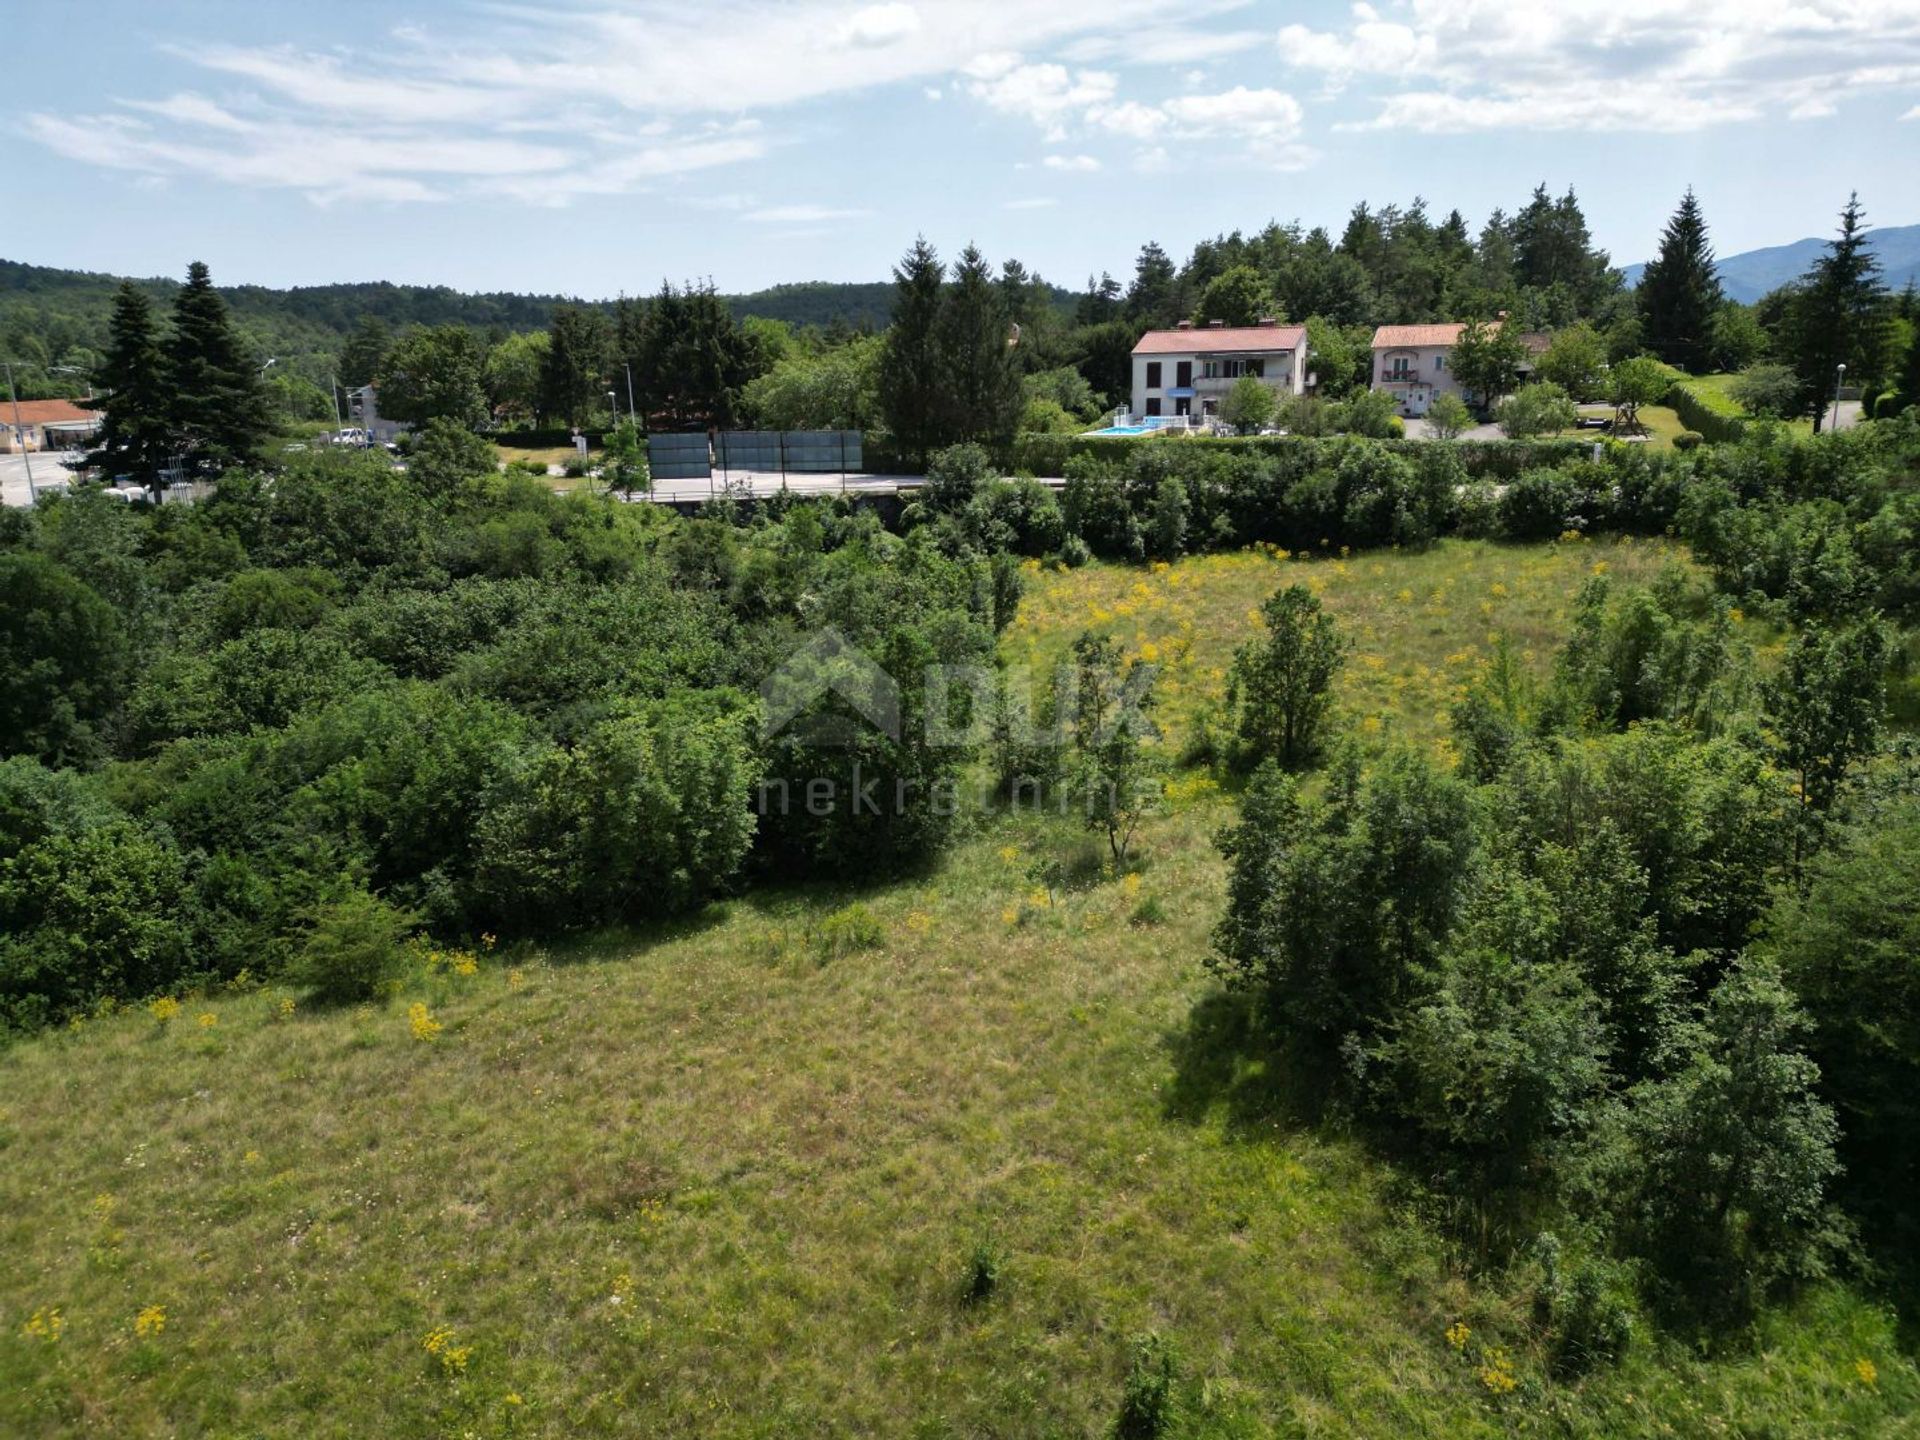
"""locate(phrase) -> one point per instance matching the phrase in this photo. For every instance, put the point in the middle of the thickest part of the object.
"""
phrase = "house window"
(1183, 373)
(1439, 362)
(1400, 367)
(1209, 369)
(1153, 377)
(1257, 368)
(1153, 403)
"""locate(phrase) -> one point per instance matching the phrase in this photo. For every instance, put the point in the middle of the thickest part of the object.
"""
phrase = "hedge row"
(1707, 410)
(1047, 455)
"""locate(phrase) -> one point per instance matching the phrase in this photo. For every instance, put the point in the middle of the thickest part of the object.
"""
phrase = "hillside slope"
(728, 1180)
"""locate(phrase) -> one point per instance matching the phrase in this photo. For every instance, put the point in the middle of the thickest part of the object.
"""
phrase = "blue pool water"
(1125, 430)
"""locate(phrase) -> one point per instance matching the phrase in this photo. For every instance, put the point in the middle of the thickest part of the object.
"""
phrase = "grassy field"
(726, 1180)
(1421, 625)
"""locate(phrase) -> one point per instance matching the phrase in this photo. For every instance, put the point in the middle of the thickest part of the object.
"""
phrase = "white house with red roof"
(1188, 370)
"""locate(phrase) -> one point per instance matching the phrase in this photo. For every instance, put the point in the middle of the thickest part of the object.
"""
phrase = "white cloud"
(1913, 114)
(1078, 164)
(1048, 95)
(1183, 44)
(546, 100)
(802, 215)
(1259, 114)
(881, 25)
(1611, 65)
(1259, 125)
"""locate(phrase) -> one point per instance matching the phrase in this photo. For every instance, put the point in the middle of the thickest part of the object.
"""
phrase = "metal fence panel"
(678, 457)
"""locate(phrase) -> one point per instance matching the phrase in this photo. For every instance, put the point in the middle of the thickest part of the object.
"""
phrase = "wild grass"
(1421, 624)
(729, 1180)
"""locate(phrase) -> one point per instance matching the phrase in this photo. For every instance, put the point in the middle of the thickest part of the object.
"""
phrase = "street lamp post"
(613, 408)
(19, 427)
(627, 365)
(1839, 383)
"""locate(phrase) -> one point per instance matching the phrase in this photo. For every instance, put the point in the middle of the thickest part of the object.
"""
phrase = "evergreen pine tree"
(982, 390)
(573, 375)
(1680, 292)
(220, 415)
(1153, 300)
(365, 351)
(1838, 317)
(139, 401)
(911, 382)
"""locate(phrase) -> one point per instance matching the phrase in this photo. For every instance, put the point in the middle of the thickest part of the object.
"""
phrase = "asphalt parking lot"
(13, 475)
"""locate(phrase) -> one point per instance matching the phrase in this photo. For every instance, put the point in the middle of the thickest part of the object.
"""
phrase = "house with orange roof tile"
(1413, 363)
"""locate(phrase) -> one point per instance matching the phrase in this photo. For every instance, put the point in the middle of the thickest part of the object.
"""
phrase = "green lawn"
(721, 1182)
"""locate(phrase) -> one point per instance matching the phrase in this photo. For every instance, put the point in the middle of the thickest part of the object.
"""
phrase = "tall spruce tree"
(1839, 315)
(911, 382)
(982, 389)
(1680, 292)
(140, 399)
(365, 352)
(1153, 300)
(573, 375)
(220, 414)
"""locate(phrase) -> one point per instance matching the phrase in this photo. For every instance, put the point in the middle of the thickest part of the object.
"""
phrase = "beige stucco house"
(45, 425)
(1414, 363)
(1189, 369)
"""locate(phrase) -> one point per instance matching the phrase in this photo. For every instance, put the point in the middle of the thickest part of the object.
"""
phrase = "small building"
(363, 412)
(1414, 363)
(1188, 370)
(33, 425)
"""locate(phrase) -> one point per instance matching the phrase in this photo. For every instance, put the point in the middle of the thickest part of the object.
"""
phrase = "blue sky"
(597, 146)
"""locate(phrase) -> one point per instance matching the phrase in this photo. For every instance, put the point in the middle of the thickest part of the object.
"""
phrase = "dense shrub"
(353, 949)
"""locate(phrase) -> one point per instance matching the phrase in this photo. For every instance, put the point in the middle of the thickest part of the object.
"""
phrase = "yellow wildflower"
(919, 921)
(1868, 1372)
(150, 1321)
(165, 1008)
(439, 1344)
(287, 1007)
(208, 1020)
(515, 978)
(421, 1021)
(1009, 854)
(1497, 1373)
(44, 1325)
(1458, 1334)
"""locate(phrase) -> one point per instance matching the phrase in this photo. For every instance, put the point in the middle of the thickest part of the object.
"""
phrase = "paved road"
(13, 476)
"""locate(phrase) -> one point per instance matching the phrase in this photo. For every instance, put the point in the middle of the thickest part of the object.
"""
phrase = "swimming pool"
(1148, 426)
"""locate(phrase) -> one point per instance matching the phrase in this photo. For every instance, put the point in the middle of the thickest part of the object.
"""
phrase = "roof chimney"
(1216, 324)
(1183, 325)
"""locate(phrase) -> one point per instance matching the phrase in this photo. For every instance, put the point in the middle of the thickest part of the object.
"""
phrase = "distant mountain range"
(1752, 273)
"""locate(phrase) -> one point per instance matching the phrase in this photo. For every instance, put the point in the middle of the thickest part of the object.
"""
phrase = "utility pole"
(20, 429)
(627, 365)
